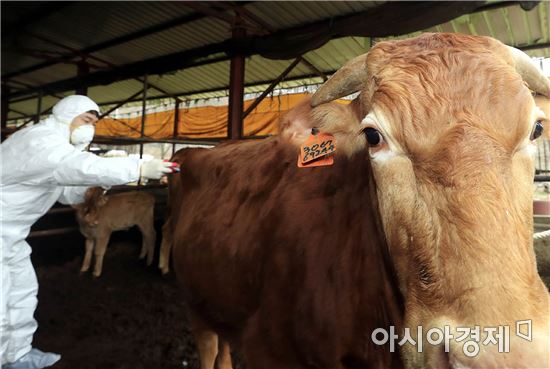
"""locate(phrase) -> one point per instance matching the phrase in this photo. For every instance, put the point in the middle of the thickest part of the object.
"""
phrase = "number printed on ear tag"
(316, 151)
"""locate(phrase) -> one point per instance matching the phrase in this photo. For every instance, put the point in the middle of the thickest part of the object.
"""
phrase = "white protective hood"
(70, 107)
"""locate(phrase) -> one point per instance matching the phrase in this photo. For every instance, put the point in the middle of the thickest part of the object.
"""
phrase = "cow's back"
(126, 209)
(276, 257)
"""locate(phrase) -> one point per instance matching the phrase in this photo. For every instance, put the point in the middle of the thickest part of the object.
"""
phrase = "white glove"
(156, 168)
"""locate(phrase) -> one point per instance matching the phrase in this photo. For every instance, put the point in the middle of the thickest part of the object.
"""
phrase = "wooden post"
(176, 122)
(143, 114)
(236, 89)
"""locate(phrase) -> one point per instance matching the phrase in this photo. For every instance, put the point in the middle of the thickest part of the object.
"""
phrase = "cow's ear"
(296, 125)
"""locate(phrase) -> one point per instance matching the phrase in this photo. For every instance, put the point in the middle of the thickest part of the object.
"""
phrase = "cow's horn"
(530, 73)
(345, 81)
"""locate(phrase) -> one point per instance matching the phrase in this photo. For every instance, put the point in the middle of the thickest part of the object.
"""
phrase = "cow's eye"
(374, 138)
(537, 130)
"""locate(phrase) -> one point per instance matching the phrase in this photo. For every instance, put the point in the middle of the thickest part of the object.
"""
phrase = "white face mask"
(82, 135)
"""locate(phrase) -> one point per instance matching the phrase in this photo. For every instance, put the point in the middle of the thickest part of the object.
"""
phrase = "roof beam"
(110, 43)
(197, 64)
(38, 54)
(209, 11)
(184, 94)
(542, 45)
(313, 68)
(245, 14)
(221, 15)
(101, 60)
(250, 17)
(23, 115)
(13, 81)
(388, 19)
(159, 65)
(268, 29)
(268, 90)
(525, 5)
(118, 105)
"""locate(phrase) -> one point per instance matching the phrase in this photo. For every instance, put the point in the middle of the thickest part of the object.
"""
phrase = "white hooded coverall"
(39, 167)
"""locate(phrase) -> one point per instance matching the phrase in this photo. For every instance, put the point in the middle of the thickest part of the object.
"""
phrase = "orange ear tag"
(316, 151)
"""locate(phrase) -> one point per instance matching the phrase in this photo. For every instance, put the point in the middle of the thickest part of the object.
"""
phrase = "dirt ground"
(130, 318)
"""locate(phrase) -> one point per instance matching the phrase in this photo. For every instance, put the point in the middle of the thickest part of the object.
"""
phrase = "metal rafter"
(525, 5)
(39, 54)
(209, 11)
(101, 60)
(23, 115)
(78, 53)
(110, 43)
(24, 84)
(119, 104)
(313, 68)
(266, 28)
(219, 12)
(271, 87)
(166, 94)
(538, 46)
(183, 94)
(246, 15)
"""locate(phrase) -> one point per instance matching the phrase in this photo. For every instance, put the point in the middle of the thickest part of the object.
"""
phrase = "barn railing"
(542, 161)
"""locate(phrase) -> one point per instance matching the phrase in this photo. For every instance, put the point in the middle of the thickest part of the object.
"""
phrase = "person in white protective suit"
(43, 164)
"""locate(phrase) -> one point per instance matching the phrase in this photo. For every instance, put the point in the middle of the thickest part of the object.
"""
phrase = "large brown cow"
(424, 219)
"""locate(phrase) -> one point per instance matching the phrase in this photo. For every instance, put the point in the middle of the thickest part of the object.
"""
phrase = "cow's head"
(88, 211)
(449, 123)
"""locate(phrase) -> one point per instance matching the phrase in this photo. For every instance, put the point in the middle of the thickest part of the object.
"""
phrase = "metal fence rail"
(542, 161)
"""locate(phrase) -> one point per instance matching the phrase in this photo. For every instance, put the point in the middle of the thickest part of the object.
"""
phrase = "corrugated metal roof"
(181, 38)
(122, 17)
(286, 14)
(512, 25)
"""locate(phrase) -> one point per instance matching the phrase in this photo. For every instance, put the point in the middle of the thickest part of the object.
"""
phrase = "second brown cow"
(102, 214)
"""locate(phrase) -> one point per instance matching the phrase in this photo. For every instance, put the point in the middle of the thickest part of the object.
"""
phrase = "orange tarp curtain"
(157, 125)
(202, 122)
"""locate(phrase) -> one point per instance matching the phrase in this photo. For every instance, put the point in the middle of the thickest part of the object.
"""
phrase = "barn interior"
(169, 75)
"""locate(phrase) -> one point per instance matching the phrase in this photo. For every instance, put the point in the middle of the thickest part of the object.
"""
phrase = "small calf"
(100, 215)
